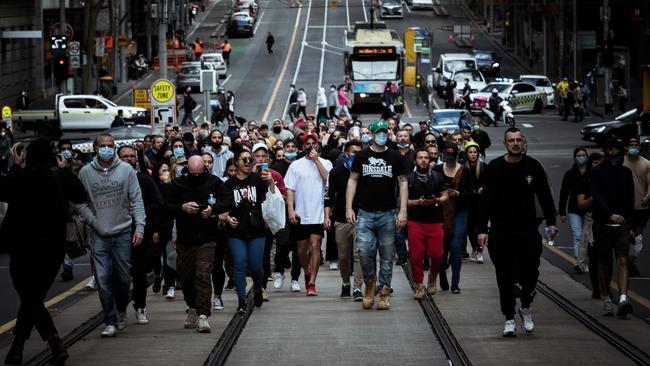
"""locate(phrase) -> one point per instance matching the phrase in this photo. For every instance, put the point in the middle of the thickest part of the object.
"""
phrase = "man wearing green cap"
(377, 169)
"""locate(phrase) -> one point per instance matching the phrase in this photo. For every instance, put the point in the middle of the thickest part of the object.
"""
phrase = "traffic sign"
(75, 61)
(122, 40)
(75, 49)
(141, 98)
(163, 91)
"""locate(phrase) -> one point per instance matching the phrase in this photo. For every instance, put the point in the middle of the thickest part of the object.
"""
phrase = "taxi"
(522, 96)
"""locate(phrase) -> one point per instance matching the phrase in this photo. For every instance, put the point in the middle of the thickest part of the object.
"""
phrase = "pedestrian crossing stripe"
(527, 125)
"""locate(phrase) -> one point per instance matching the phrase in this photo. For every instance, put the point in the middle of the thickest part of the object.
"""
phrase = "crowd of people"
(189, 207)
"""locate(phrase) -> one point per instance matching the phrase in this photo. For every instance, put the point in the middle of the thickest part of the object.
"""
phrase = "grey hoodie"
(113, 194)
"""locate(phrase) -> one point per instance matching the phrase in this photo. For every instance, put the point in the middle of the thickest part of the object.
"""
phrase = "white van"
(447, 64)
(421, 4)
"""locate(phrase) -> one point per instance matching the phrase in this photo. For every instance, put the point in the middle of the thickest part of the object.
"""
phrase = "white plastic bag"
(273, 211)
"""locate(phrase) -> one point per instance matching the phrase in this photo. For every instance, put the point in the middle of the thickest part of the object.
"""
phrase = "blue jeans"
(111, 256)
(454, 246)
(576, 232)
(400, 244)
(376, 233)
(247, 254)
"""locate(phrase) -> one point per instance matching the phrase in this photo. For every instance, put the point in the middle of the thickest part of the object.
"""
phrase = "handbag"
(273, 211)
(76, 237)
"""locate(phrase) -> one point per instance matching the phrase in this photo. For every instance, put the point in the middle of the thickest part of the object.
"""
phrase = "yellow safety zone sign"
(163, 91)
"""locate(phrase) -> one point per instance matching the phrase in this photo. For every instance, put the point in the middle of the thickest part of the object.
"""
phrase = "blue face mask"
(349, 161)
(633, 152)
(581, 160)
(365, 139)
(178, 152)
(67, 154)
(106, 153)
(403, 146)
(381, 138)
(290, 155)
(179, 170)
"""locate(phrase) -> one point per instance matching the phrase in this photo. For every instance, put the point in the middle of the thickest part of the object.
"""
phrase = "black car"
(622, 127)
(487, 62)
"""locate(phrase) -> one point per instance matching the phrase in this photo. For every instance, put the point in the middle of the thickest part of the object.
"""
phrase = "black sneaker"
(230, 285)
(517, 291)
(444, 284)
(157, 284)
(258, 299)
(400, 262)
(66, 274)
(455, 290)
(241, 308)
(577, 269)
(345, 291)
(357, 295)
(623, 309)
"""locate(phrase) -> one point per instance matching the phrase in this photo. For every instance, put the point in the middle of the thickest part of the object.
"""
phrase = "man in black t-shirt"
(376, 170)
(427, 191)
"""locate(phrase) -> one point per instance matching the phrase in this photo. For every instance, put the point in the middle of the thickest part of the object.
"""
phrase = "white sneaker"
(479, 257)
(91, 284)
(278, 280)
(171, 293)
(608, 307)
(509, 328)
(334, 265)
(472, 256)
(109, 331)
(295, 286)
(202, 325)
(190, 322)
(527, 317)
(217, 303)
(265, 295)
(121, 320)
(141, 316)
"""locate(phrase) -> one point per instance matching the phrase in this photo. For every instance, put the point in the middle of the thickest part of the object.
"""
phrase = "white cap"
(260, 145)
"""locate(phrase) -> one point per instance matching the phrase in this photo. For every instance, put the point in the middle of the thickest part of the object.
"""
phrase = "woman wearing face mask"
(163, 176)
(573, 179)
(177, 149)
(477, 168)
(460, 189)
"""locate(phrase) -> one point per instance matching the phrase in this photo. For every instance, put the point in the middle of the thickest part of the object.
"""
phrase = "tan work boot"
(384, 298)
(431, 286)
(419, 291)
(369, 296)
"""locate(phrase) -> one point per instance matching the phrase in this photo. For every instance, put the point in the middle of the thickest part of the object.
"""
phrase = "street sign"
(208, 80)
(75, 61)
(122, 40)
(141, 98)
(162, 92)
(99, 46)
(75, 49)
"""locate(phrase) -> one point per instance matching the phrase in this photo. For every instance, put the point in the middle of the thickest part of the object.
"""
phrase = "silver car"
(391, 9)
(190, 75)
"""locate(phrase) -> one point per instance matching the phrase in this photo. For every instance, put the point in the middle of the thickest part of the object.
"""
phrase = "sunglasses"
(246, 160)
(430, 142)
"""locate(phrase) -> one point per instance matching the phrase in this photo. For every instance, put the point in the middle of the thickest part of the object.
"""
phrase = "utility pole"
(162, 38)
(147, 30)
(545, 42)
(607, 72)
(575, 40)
(122, 19)
(62, 30)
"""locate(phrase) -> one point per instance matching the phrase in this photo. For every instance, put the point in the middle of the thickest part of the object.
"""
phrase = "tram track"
(456, 356)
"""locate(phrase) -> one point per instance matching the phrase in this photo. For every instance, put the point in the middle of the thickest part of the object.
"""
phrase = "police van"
(522, 96)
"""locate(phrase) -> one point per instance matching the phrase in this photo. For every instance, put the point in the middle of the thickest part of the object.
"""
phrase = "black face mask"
(277, 129)
(616, 160)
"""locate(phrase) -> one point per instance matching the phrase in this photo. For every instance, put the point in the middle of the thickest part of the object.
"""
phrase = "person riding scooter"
(493, 104)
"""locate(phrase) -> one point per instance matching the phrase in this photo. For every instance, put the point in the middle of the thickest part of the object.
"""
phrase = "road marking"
(259, 21)
(284, 68)
(226, 80)
(198, 105)
(365, 15)
(299, 63)
(329, 26)
(326, 50)
(631, 294)
(322, 52)
(408, 8)
(407, 110)
(334, 47)
(347, 13)
(53, 301)
(527, 125)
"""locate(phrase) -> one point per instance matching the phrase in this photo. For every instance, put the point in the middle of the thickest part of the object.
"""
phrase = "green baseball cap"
(378, 126)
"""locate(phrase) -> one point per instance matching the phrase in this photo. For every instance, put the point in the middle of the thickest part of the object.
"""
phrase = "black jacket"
(612, 188)
(192, 229)
(153, 203)
(335, 196)
(571, 184)
(482, 139)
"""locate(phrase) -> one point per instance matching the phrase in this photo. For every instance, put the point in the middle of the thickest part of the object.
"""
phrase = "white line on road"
(347, 12)
(322, 52)
(329, 26)
(198, 105)
(408, 8)
(527, 125)
(365, 15)
(227, 78)
(259, 21)
(302, 49)
(326, 50)
(334, 47)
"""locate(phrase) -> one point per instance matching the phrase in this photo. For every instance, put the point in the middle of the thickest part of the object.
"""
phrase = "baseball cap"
(260, 145)
(378, 126)
(423, 122)
(309, 135)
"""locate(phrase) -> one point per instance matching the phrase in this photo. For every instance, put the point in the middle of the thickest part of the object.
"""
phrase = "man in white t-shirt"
(306, 181)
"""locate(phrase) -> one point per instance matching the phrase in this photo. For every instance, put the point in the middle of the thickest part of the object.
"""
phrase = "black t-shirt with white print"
(378, 172)
(244, 201)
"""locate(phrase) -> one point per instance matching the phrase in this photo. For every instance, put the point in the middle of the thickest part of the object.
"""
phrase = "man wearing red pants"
(427, 190)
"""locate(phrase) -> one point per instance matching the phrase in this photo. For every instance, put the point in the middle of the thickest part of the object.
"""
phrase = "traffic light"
(606, 54)
(61, 68)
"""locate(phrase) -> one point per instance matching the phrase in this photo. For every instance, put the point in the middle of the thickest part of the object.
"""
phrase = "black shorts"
(611, 238)
(302, 232)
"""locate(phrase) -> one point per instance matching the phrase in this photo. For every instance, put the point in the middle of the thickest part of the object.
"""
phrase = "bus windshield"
(375, 70)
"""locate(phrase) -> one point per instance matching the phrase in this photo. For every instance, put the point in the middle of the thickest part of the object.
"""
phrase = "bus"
(373, 57)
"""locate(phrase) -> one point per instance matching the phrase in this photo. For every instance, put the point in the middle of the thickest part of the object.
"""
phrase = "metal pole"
(545, 45)
(607, 72)
(491, 16)
(162, 38)
(206, 104)
(62, 29)
(575, 41)
(530, 33)
(123, 66)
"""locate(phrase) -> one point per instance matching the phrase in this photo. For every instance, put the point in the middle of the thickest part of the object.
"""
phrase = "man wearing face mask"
(480, 137)
(640, 168)
(612, 187)
(290, 154)
(153, 204)
(377, 170)
(366, 137)
(193, 202)
(220, 153)
(110, 184)
(344, 231)
(70, 161)
(279, 132)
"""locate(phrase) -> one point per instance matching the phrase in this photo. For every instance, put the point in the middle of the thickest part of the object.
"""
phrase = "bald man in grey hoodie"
(115, 213)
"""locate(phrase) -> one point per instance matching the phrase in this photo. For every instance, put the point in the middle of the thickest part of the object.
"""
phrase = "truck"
(374, 56)
(76, 112)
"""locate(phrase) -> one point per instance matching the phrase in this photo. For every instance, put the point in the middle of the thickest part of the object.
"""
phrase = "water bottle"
(549, 236)
(212, 200)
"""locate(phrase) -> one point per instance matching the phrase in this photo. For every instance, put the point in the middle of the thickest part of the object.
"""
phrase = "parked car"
(523, 97)
(217, 61)
(487, 62)
(124, 135)
(543, 84)
(421, 4)
(622, 127)
(241, 24)
(451, 119)
(391, 9)
(476, 80)
(190, 75)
